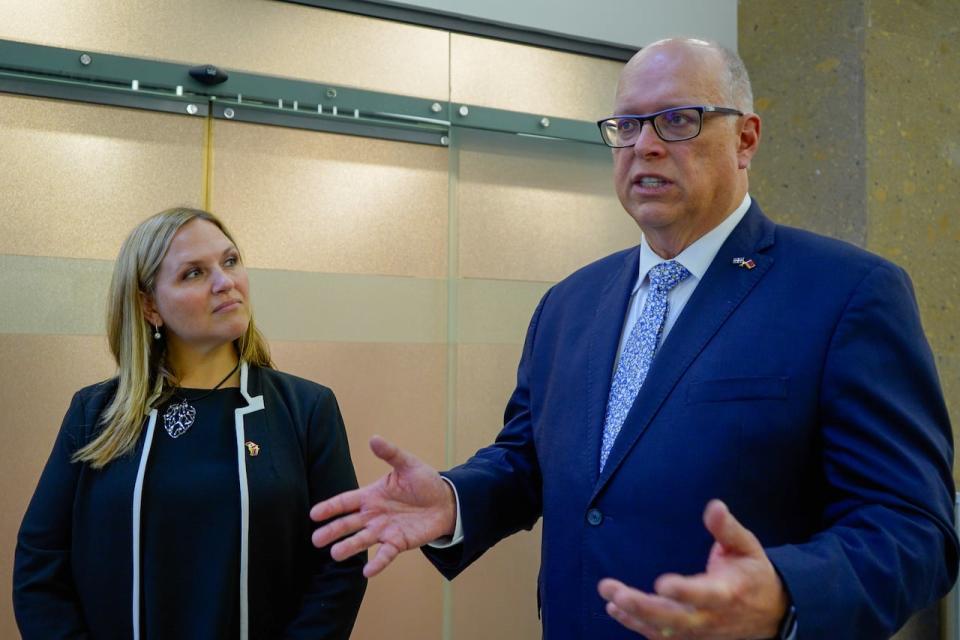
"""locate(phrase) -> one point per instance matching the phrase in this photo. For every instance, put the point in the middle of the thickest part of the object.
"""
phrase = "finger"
(348, 547)
(391, 453)
(727, 530)
(701, 591)
(337, 505)
(632, 623)
(608, 587)
(652, 609)
(381, 560)
(338, 528)
(640, 626)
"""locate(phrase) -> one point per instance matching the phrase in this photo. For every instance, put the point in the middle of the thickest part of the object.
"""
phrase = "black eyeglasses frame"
(651, 118)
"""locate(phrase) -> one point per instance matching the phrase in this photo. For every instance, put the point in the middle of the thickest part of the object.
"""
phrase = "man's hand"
(739, 596)
(405, 509)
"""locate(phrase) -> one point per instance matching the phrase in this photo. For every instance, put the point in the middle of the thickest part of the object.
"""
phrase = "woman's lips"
(227, 306)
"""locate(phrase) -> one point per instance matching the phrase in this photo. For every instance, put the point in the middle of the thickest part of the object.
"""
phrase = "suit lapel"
(253, 420)
(723, 288)
(604, 340)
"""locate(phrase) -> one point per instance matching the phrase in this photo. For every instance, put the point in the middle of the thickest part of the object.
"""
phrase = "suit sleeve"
(886, 545)
(500, 487)
(45, 599)
(335, 589)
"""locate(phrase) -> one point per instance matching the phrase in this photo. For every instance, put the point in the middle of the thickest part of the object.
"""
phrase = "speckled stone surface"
(804, 59)
(860, 101)
(912, 61)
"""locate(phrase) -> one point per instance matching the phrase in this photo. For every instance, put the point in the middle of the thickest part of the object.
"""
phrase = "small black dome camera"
(208, 74)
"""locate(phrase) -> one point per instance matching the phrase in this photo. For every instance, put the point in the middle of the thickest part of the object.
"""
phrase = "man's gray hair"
(738, 81)
(738, 89)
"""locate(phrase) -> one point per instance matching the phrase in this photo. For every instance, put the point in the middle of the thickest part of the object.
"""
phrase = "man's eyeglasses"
(672, 125)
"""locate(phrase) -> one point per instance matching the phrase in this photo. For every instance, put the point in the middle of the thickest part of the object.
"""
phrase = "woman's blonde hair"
(143, 371)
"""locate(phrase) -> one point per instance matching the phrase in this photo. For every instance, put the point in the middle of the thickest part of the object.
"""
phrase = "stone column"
(860, 101)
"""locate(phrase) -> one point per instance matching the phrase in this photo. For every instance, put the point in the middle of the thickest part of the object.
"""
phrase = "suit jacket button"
(594, 517)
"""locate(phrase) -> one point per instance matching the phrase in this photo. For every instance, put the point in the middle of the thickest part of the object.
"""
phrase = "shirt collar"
(698, 256)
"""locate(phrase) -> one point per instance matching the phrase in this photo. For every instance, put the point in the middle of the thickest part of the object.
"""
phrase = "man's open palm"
(405, 509)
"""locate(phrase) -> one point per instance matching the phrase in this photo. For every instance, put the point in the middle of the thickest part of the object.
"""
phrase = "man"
(791, 380)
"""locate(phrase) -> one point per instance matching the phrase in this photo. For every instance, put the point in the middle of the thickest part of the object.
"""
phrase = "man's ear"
(749, 140)
(149, 308)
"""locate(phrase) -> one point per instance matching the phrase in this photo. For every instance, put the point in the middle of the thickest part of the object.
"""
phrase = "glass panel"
(78, 177)
(498, 600)
(348, 237)
(324, 202)
(397, 391)
(328, 307)
(527, 213)
(503, 75)
(40, 373)
(533, 209)
(366, 254)
(275, 38)
(496, 311)
(43, 295)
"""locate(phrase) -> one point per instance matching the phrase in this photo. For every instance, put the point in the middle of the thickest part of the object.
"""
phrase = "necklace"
(180, 416)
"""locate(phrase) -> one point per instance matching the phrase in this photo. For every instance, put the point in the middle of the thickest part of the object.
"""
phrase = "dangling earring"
(156, 332)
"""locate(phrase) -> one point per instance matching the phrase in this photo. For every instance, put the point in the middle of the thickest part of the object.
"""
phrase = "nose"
(222, 281)
(649, 144)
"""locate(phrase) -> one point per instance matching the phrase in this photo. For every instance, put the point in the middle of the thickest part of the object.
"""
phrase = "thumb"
(391, 453)
(727, 530)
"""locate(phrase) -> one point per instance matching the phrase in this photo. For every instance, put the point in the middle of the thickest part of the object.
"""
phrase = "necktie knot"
(667, 275)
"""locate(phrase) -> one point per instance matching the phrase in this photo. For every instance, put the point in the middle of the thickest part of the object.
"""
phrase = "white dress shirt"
(696, 258)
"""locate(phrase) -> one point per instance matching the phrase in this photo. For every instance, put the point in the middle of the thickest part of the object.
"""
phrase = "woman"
(175, 503)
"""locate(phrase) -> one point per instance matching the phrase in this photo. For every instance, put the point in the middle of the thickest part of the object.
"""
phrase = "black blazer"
(78, 543)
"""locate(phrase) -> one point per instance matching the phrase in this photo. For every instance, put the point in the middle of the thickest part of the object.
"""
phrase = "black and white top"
(204, 536)
(191, 519)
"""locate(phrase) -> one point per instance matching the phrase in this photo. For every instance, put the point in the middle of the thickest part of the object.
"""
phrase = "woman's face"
(201, 290)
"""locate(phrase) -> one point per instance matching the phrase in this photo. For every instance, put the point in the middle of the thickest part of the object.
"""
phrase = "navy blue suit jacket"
(802, 392)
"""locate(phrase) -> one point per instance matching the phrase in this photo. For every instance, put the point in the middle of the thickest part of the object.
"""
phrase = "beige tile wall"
(39, 375)
(534, 209)
(334, 203)
(504, 75)
(396, 391)
(260, 36)
(77, 177)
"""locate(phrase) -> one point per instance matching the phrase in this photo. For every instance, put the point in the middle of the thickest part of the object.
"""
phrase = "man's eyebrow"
(675, 105)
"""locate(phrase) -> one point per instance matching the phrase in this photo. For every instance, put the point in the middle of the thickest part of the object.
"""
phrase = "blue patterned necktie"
(638, 351)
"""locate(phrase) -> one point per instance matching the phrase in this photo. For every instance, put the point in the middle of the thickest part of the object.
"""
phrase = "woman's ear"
(149, 309)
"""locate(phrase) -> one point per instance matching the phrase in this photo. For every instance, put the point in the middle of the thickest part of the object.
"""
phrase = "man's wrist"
(456, 537)
(453, 509)
(788, 625)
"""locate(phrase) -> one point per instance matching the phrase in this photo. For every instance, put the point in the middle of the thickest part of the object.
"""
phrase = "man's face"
(678, 191)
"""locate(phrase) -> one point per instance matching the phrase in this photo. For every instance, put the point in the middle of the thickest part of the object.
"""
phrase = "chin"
(236, 332)
(653, 215)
